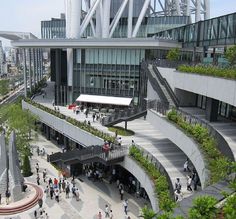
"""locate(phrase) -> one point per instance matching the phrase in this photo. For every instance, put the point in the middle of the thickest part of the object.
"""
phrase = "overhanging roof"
(96, 43)
(121, 101)
(12, 35)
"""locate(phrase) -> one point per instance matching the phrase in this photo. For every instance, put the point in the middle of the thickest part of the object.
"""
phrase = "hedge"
(217, 163)
(161, 184)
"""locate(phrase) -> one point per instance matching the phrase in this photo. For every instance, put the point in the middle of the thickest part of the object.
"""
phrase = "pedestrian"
(99, 215)
(40, 203)
(43, 151)
(94, 116)
(189, 182)
(178, 185)
(51, 192)
(67, 191)
(195, 180)
(55, 183)
(119, 141)
(89, 123)
(35, 214)
(121, 194)
(178, 195)
(46, 216)
(63, 185)
(38, 179)
(44, 175)
(57, 138)
(186, 167)
(77, 194)
(38, 150)
(37, 167)
(59, 185)
(106, 211)
(125, 204)
(111, 214)
(47, 191)
(7, 194)
(57, 195)
(116, 133)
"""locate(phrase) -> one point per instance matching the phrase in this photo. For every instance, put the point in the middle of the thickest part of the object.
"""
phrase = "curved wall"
(185, 143)
(130, 165)
(74, 133)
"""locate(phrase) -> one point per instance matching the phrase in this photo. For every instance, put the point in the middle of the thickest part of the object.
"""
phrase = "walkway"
(146, 136)
(93, 195)
(225, 127)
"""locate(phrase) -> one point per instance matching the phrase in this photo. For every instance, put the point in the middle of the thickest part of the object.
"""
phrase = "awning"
(121, 101)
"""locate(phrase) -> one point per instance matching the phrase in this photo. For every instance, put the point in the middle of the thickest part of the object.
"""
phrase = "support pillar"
(34, 69)
(25, 73)
(48, 136)
(30, 70)
(58, 75)
(212, 106)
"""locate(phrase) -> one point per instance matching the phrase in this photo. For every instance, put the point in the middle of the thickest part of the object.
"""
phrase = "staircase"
(124, 116)
(88, 155)
(163, 85)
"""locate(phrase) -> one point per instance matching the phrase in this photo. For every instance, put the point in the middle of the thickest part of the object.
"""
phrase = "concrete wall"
(74, 133)
(151, 93)
(186, 98)
(145, 181)
(214, 87)
(185, 143)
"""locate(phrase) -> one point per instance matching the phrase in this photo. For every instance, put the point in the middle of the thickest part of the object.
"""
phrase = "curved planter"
(185, 143)
(74, 133)
(144, 179)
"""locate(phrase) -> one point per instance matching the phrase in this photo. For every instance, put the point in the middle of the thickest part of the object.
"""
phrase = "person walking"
(57, 195)
(63, 185)
(111, 215)
(38, 179)
(186, 165)
(35, 214)
(51, 192)
(77, 194)
(37, 167)
(7, 194)
(106, 211)
(67, 191)
(40, 203)
(189, 182)
(99, 215)
(44, 175)
(178, 185)
(125, 204)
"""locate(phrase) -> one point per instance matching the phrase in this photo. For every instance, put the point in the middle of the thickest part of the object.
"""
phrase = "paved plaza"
(93, 195)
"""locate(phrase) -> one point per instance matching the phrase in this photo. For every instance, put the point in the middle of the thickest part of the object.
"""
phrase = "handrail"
(166, 85)
(158, 165)
(154, 83)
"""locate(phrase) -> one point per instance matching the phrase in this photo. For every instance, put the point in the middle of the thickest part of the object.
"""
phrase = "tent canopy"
(121, 101)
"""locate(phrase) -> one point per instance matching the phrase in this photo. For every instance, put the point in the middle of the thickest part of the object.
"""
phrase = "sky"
(25, 15)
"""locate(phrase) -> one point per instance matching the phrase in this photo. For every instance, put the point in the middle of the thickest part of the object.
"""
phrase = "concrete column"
(34, 69)
(130, 18)
(58, 75)
(25, 73)
(30, 70)
(212, 106)
(98, 23)
(106, 18)
(48, 133)
(37, 65)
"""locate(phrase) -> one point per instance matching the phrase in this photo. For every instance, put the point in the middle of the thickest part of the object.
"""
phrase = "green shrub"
(217, 163)
(229, 209)
(26, 168)
(229, 73)
(121, 131)
(160, 181)
(203, 208)
(74, 122)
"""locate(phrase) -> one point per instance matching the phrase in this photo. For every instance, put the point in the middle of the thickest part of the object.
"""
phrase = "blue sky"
(25, 15)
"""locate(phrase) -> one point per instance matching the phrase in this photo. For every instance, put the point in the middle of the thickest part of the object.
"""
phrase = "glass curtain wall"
(109, 72)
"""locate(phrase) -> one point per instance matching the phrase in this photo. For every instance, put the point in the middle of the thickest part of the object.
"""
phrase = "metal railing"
(123, 115)
(164, 82)
(158, 106)
(150, 157)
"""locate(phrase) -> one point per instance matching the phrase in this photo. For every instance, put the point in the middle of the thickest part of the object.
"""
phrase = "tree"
(229, 207)
(203, 208)
(26, 168)
(230, 54)
(4, 87)
(173, 54)
(148, 213)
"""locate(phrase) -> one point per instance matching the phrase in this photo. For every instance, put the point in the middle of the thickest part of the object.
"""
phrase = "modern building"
(54, 28)
(102, 53)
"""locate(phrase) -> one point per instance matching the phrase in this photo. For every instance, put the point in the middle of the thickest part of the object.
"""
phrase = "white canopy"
(122, 101)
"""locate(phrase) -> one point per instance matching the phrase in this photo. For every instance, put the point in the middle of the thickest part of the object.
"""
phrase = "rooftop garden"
(81, 125)
(209, 70)
(218, 165)
(162, 190)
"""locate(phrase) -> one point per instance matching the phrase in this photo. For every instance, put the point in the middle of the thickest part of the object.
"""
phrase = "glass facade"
(53, 29)
(212, 32)
(111, 72)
